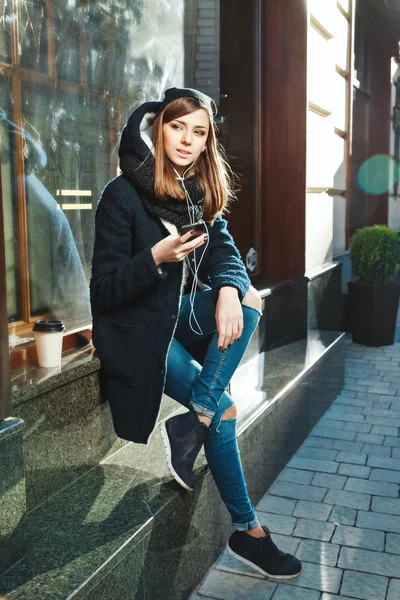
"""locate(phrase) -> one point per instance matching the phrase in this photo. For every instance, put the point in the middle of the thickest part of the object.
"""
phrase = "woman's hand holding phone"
(175, 249)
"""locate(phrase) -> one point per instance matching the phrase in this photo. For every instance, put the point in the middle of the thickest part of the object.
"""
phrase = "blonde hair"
(211, 169)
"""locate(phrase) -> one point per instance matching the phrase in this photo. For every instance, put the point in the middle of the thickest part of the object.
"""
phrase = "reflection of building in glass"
(58, 284)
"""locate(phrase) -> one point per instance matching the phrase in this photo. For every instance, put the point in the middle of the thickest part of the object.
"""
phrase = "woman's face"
(185, 138)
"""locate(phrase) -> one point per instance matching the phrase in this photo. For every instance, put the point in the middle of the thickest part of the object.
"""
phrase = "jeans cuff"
(246, 526)
(201, 410)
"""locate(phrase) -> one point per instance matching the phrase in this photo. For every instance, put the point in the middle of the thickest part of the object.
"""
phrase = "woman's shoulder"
(121, 193)
(120, 185)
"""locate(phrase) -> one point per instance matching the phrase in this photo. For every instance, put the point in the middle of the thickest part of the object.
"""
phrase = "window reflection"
(79, 69)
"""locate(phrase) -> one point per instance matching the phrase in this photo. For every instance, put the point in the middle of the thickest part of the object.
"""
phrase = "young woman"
(155, 290)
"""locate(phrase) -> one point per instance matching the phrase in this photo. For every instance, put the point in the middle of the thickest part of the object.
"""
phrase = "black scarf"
(141, 173)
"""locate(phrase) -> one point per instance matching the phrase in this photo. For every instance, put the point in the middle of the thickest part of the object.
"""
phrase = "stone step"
(126, 529)
(68, 426)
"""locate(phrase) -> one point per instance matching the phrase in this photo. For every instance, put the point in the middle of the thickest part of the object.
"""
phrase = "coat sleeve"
(225, 266)
(117, 276)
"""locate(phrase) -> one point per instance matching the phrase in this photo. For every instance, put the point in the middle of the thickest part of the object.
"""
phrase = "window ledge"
(31, 380)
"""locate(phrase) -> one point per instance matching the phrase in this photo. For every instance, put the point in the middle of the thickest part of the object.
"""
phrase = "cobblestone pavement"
(336, 504)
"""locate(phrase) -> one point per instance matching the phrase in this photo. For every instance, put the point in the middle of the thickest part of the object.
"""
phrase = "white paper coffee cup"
(49, 337)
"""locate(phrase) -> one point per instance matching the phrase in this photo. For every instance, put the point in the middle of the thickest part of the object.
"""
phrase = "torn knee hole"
(230, 413)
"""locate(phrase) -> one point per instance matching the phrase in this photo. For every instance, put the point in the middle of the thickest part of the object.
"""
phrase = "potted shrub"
(374, 300)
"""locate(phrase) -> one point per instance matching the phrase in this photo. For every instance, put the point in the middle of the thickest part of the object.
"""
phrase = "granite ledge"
(31, 381)
(322, 270)
(266, 287)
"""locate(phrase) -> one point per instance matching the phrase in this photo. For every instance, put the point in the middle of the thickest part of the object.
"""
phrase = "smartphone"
(198, 230)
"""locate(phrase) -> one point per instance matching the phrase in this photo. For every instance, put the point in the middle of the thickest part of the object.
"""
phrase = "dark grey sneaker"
(183, 437)
(263, 555)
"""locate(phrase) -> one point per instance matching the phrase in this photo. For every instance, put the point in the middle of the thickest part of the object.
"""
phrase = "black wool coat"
(135, 307)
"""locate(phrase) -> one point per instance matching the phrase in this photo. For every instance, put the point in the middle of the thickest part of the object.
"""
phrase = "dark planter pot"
(373, 313)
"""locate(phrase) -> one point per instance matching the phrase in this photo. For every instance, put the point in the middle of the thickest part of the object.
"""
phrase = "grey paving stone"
(364, 585)
(380, 429)
(352, 458)
(331, 423)
(388, 367)
(343, 515)
(316, 577)
(312, 510)
(378, 384)
(281, 524)
(377, 488)
(321, 553)
(395, 452)
(379, 521)
(358, 427)
(391, 377)
(354, 470)
(296, 476)
(394, 590)
(382, 421)
(350, 499)
(335, 434)
(297, 491)
(329, 481)
(361, 401)
(392, 441)
(229, 586)
(274, 504)
(375, 384)
(285, 592)
(347, 394)
(385, 475)
(380, 412)
(392, 543)
(367, 398)
(360, 538)
(346, 446)
(316, 453)
(367, 561)
(382, 391)
(318, 442)
(226, 562)
(356, 410)
(352, 387)
(331, 597)
(383, 463)
(369, 438)
(374, 450)
(309, 464)
(314, 530)
(341, 416)
(382, 404)
(386, 505)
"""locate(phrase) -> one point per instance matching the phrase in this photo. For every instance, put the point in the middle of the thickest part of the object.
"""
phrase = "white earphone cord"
(191, 210)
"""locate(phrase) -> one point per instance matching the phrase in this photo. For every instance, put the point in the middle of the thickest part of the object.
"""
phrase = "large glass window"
(72, 71)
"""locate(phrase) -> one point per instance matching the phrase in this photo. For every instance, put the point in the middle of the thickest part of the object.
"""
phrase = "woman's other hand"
(229, 317)
(175, 249)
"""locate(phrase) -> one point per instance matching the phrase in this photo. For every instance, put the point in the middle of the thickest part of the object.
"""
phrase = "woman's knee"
(253, 299)
(230, 413)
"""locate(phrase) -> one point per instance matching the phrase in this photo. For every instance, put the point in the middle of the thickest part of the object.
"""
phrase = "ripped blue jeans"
(203, 389)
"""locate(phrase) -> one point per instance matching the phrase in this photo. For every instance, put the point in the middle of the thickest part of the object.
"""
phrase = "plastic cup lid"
(48, 326)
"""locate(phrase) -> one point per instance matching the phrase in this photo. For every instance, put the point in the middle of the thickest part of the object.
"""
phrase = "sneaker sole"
(259, 569)
(167, 447)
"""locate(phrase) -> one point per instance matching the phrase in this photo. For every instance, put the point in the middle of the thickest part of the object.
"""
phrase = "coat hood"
(136, 135)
